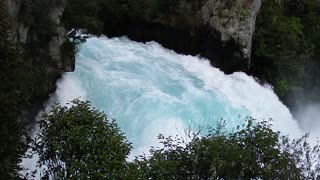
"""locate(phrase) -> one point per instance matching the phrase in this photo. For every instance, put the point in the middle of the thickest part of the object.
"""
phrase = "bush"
(80, 142)
(252, 152)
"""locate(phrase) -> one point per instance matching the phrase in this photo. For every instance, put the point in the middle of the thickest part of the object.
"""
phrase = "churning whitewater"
(150, 90)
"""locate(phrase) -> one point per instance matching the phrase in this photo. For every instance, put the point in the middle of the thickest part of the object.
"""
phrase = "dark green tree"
(281, 48)
(13, 137)
(79, 142)
(286, 47)
(252, 152)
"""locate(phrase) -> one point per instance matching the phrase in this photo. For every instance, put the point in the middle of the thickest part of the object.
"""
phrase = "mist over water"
(150, 90)
(308, 117)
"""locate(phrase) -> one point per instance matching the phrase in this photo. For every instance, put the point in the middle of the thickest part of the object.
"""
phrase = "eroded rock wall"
(234, 19)
(41, 37)
(20, 32)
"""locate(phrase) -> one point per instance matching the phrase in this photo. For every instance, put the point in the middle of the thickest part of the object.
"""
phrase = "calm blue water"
(152, 90)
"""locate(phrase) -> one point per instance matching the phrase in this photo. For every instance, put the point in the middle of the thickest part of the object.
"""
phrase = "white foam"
(68, 88)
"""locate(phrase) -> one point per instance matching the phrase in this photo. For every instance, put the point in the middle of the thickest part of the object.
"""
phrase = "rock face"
(234, 19)
(37, 28)
(20, 32)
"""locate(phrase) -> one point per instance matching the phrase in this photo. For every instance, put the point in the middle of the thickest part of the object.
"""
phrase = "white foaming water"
(152, 90)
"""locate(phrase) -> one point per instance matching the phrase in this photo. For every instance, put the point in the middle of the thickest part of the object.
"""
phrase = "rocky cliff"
(36, 28)
(233, 19)
(22, 32)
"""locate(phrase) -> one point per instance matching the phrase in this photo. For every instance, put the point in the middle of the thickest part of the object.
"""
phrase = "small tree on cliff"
(80, 142)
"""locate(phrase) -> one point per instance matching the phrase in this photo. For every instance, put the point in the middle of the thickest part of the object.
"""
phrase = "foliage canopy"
(79, 142)
(286, 46)
(251, 152)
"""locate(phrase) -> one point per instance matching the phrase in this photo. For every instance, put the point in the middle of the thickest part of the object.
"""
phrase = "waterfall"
(150, 90)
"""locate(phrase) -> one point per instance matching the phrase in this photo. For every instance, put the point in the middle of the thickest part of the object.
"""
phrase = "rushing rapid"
(150, 90)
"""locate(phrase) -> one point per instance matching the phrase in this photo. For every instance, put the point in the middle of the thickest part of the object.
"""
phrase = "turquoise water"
(150, 90)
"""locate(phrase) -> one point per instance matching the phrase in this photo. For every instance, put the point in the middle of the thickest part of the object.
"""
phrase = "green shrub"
(80, 142)
(252, 152)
